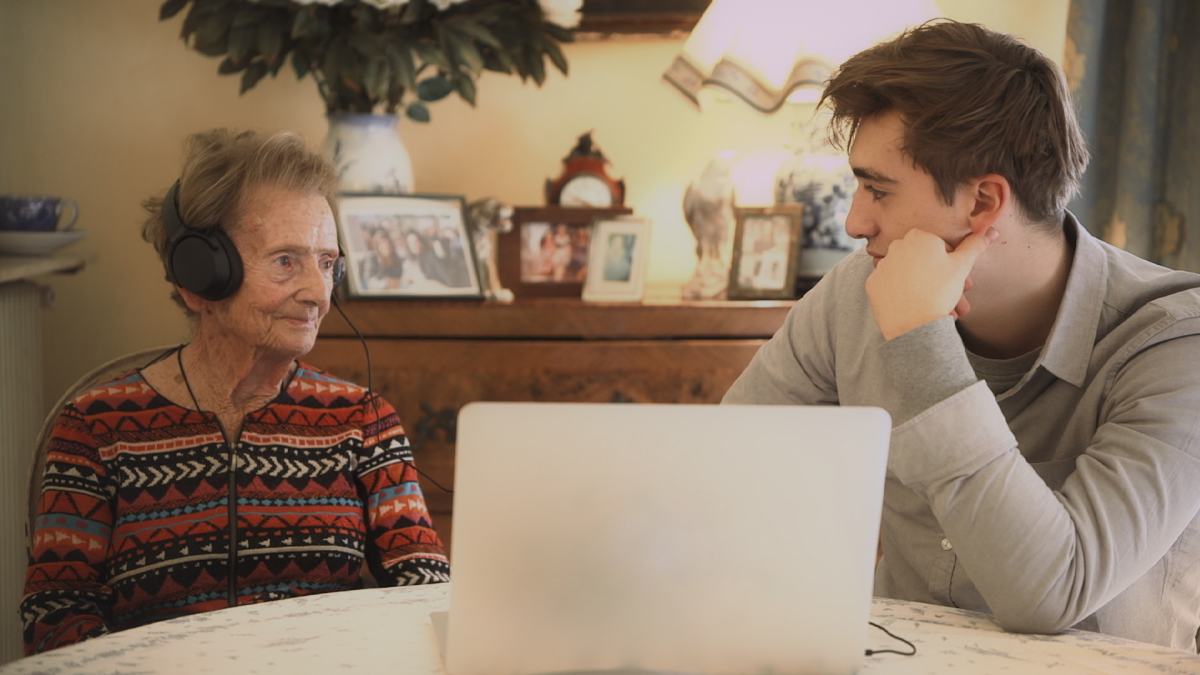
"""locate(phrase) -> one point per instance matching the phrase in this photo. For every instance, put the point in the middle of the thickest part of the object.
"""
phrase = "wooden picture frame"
(545, 255)
(766, 252)
(602, 18)
(407, 246)
(617, 260)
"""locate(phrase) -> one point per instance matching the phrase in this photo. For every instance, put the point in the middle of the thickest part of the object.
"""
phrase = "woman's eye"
(283, 261)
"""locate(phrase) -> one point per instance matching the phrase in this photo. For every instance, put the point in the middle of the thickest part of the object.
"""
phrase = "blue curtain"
(1134, 68)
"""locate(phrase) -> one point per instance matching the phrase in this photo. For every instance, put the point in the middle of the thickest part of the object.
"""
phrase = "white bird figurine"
(708, 208)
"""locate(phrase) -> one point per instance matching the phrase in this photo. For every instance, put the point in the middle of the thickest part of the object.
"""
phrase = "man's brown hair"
(973, 102)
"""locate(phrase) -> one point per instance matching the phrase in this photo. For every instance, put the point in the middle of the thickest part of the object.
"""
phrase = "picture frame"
(766, 252)
(407, 246)
(617, 260)
(545, 255)
(604, 18)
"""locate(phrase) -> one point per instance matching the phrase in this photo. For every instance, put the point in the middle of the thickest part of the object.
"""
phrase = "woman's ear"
(194, 302)
(992, 197)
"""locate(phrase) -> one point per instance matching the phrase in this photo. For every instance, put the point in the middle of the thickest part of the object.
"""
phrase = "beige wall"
(96, 97)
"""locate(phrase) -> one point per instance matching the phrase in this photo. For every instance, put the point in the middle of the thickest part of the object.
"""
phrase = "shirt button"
(946, 545)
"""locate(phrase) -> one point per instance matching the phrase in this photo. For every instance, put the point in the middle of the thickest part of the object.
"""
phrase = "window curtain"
(1134, 69)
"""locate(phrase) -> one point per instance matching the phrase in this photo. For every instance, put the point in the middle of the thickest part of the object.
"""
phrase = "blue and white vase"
(368, 153)
(819, 176)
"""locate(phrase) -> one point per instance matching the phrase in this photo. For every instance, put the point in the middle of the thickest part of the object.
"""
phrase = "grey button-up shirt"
(1069, 499)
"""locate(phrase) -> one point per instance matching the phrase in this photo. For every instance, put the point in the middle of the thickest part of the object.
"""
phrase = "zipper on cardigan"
(233, 543)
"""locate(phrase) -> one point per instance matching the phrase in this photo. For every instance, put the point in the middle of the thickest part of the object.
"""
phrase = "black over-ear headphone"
(206, 262)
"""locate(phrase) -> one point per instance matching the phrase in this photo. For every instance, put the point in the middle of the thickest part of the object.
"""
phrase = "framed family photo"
(408, 246)
(766, 252)
(617, 260)
(547, 252)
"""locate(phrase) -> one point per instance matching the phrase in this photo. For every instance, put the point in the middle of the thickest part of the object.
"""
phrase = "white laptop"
(716, 540)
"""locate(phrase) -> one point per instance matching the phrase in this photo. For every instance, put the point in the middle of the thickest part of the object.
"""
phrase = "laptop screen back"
(687, 538)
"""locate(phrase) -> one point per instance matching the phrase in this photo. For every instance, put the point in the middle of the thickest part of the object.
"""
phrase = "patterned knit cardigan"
(142, 499)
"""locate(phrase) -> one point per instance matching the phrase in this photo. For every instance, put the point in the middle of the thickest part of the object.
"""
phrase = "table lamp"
(769, 53)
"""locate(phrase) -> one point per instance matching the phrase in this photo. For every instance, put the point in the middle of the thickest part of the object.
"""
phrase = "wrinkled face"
(893, 195)
(288, 244)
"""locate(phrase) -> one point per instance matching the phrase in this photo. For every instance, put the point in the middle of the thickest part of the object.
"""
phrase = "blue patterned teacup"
(36, 213)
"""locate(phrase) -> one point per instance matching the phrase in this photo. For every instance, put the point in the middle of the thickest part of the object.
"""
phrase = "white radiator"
(21, 414)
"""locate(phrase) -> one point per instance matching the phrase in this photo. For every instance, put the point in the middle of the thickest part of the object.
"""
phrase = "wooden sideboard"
(429, 358)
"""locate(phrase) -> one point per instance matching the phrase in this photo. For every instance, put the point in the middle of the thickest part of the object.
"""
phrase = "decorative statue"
(708, 208)
(488, 217)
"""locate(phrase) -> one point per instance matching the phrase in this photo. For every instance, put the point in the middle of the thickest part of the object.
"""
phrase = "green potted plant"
(373, 59)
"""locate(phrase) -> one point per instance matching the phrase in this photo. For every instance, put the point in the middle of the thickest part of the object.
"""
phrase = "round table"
(389, 630)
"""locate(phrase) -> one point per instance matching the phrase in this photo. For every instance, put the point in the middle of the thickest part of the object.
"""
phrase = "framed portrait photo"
(547, 252)
(617, 260)
(408, 246)
(766, 252)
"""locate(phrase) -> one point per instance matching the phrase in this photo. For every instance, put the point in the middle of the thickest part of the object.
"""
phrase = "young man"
(1044, 387)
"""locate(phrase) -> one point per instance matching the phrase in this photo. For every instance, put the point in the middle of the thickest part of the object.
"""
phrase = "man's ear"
(991, 197)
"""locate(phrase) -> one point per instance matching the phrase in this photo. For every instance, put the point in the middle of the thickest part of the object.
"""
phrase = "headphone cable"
(371, 389)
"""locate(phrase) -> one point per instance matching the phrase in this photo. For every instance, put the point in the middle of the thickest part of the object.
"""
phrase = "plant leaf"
(432, 55)
(170, 8)
(300, 64)
(375, 79)
(250, 14)
(556, 56)
(465, 86)
(475, 30)
(229, 66)
(331, 65)
(496, 60)
(270, 40)
(466, 53)
(434, 88)
(417, 112)
(241, 43)
(254, 72)
(558, 32)
(301, 21)
(212, 34)
(404, 71)
(537, 69)
(369, 45)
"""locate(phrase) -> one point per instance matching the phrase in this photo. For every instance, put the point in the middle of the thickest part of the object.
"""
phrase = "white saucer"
(37, 243)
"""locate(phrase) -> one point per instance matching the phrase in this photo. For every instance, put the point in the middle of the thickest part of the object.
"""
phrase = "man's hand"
(921, 280)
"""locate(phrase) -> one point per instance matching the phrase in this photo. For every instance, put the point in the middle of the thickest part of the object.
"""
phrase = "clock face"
(586, 190)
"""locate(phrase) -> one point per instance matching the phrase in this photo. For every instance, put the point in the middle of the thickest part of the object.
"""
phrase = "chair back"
(104, 372)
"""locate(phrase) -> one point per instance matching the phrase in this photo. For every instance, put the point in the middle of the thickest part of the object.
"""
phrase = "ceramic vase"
(368, 153)
(819, 176)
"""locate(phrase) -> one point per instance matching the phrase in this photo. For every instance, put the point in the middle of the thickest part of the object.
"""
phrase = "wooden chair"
(107, 371)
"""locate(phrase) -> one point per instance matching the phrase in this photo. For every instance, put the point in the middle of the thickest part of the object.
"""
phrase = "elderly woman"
(227, 472)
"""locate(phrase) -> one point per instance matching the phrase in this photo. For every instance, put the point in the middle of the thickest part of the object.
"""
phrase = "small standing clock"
(584, 180)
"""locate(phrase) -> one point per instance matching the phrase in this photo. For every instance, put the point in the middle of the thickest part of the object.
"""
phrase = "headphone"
(206, 262)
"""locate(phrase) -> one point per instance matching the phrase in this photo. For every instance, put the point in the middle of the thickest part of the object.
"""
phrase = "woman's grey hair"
(222, 168)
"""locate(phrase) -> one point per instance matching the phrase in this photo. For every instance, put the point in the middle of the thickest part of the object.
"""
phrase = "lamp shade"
(765, 50)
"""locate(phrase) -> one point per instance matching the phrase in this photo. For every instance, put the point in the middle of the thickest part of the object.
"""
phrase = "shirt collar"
(1068, 349)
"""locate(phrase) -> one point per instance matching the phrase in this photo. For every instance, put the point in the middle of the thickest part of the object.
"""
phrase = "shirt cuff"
(926, 365)
(954, 438)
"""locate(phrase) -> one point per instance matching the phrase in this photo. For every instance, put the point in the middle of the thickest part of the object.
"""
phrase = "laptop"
(716, 540)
